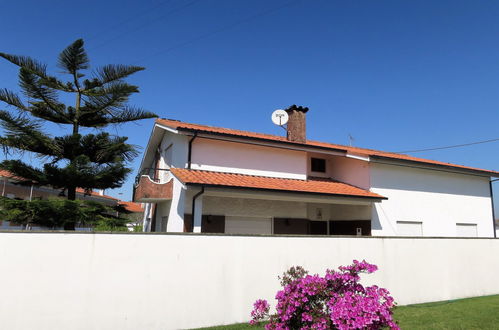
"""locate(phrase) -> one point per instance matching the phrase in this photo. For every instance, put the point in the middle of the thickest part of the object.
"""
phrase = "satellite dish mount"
(280, 118)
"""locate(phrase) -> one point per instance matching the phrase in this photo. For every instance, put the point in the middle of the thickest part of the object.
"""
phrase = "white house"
(216, 180)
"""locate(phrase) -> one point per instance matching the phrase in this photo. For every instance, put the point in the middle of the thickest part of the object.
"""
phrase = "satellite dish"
(280, 117)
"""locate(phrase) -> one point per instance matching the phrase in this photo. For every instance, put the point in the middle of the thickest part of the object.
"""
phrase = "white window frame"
(410, 222)
(467, 224)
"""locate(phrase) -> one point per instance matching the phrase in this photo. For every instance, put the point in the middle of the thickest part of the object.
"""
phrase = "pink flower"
(335, 301)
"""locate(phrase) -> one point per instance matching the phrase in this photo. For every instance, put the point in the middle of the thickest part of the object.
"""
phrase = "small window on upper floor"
(318, 165)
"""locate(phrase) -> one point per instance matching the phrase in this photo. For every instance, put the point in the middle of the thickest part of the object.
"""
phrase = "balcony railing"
(152, 172)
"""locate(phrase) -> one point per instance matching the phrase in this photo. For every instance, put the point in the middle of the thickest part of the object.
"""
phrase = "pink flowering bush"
(260, 310)
(335, 301)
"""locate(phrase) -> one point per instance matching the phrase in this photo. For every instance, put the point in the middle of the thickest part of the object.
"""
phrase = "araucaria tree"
(96, 160)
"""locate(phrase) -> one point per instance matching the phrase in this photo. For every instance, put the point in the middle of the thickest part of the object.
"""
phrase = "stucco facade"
(439, 201)
(411, 197)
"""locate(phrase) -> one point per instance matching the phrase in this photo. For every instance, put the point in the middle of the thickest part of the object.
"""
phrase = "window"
(318, 165)
(466, 230)
(409, 228)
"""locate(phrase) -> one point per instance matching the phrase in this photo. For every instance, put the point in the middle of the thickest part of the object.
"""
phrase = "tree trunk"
(71, 197)
(72, 193)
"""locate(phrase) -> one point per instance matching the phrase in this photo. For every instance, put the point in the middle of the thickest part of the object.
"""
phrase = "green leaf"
(26, 62)
(32, 88)
(25, 135)
(12, 99)
(111, 73)
(37, 68)
(73, 58)
(130, 113)
(25, 173)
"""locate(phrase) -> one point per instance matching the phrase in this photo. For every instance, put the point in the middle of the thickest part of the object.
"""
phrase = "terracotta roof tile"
(175, 124)
(8, 174)
(95, 194)
(132, 207)
(314, 185)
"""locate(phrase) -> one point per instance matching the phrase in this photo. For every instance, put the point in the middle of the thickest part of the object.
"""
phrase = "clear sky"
(396, 75)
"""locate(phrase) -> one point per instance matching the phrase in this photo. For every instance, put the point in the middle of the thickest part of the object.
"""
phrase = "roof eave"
(261, 139)
(239, 137)
(452, 168)
(206, 185)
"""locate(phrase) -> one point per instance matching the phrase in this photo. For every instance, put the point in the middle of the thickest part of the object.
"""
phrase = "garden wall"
(171, 281)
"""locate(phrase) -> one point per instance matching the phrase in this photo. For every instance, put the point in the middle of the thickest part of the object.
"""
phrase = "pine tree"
(96, 160)
(56, 213)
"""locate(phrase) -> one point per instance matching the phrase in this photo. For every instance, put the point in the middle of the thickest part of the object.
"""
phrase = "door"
(248, 225)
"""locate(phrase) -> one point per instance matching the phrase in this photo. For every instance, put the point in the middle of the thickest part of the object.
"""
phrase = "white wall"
(223, 156)
(438, 199)
(252, 207)
(150, 281)
(350, 170)
(174, 151)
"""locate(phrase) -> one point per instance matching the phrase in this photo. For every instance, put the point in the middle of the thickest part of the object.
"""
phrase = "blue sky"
(396, 75)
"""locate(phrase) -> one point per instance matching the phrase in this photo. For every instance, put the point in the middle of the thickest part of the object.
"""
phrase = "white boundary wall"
(168, 281)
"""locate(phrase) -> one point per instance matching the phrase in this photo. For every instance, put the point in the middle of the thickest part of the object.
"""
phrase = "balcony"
(149, 189)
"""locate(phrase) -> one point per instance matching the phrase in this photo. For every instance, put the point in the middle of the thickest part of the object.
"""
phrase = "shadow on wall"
(375, 223)
(425, 180)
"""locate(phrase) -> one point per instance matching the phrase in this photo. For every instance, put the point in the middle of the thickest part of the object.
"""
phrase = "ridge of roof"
(176, 124)
(322, 186)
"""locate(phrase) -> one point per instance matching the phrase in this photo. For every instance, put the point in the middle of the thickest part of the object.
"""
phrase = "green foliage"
(72, 160)
(471, 313)
(55, 213)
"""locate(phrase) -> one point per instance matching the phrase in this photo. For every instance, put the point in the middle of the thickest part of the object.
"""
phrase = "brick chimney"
(296, 129)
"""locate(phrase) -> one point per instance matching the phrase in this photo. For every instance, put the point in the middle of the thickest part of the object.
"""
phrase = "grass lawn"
(472, 313)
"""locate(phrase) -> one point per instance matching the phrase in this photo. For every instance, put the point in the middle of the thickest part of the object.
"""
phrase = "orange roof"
(8, 174)
(175, 124)
(95, 194)
(132, 207)
(311, 185)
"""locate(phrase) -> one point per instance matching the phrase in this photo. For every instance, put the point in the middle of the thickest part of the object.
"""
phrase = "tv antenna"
(351, 139)
(280, 117)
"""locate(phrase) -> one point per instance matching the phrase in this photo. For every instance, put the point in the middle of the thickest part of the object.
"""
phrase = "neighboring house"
(136, 216)
(10, 189)
(208, 179)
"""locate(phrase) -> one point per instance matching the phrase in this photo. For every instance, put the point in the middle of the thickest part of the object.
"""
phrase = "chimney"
(296, 129)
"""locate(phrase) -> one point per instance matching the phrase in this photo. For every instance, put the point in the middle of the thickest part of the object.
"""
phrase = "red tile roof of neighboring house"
(175, 124)
(311, 185)
(8, 174)
(95, 194)
(132, 207)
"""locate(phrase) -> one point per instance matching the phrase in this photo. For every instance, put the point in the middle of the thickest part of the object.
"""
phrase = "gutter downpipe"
(189, 154)
(194, 205)
(492, 202)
